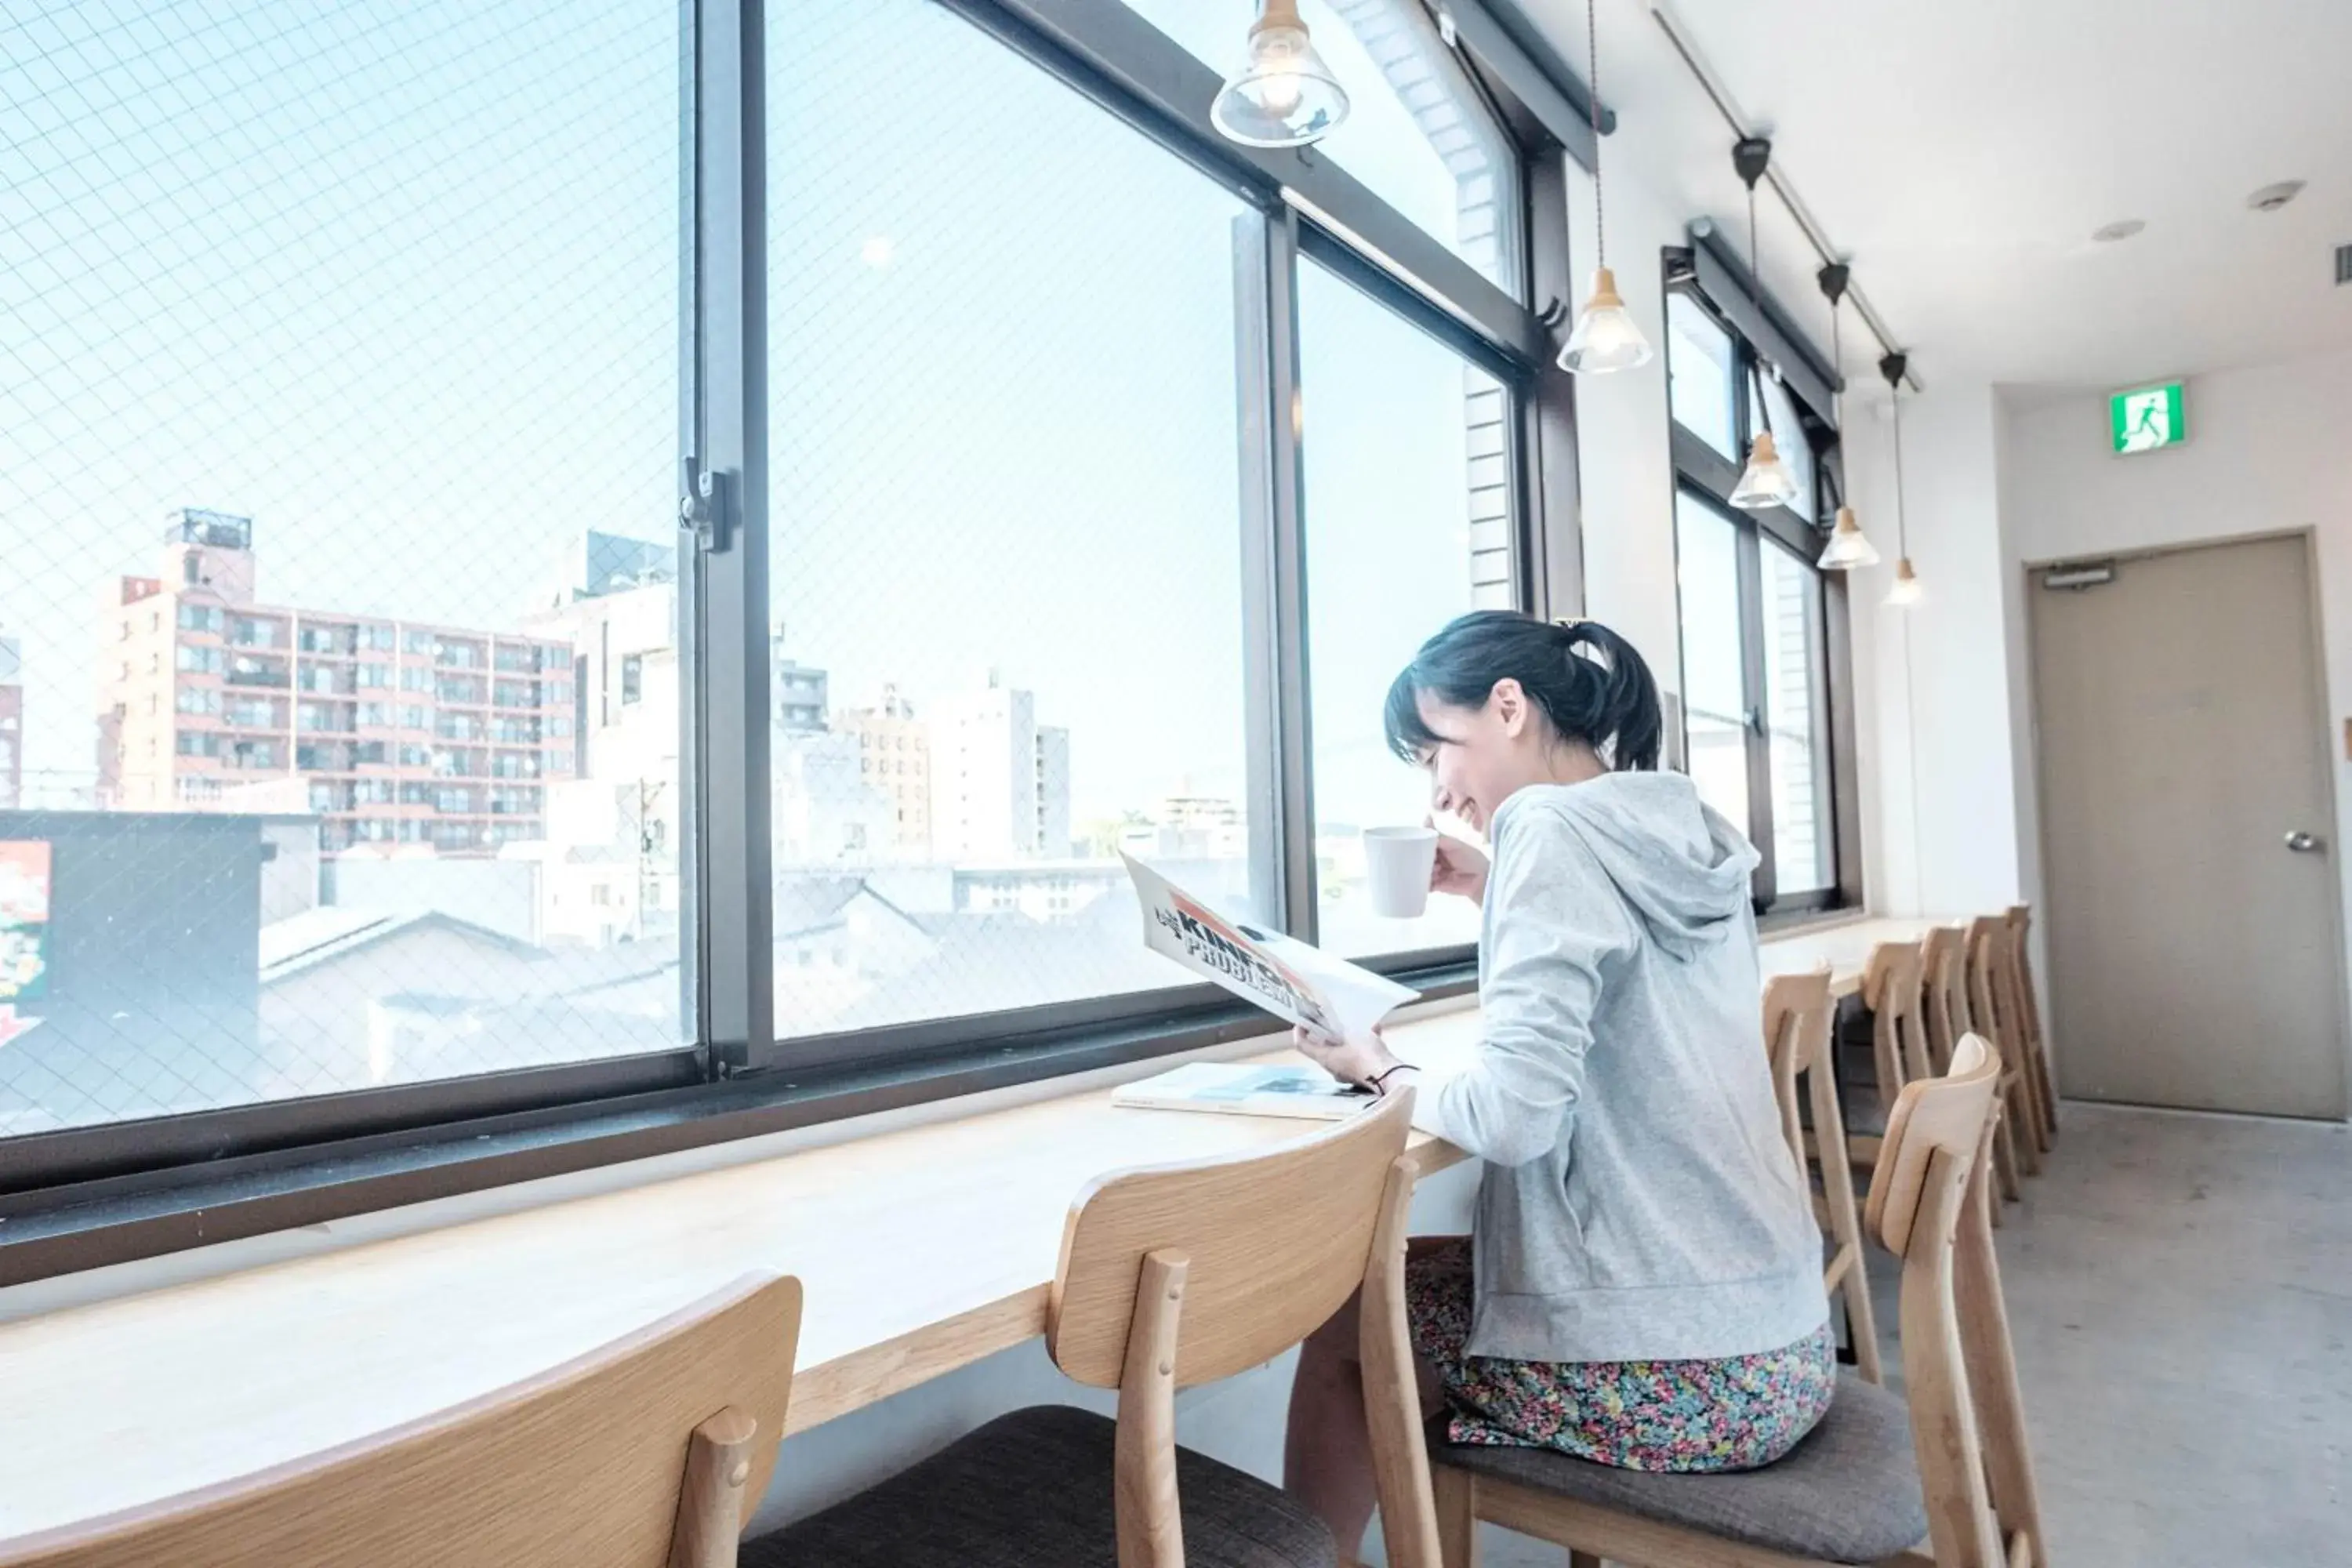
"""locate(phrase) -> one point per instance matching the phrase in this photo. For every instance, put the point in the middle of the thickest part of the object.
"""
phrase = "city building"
(894, 755)
(999, 781)
(1190, 826)
(624, 678)
(11, 724)
(609, 867)
(822, 810)
(797, 693)
(604, 563)
(403, 732)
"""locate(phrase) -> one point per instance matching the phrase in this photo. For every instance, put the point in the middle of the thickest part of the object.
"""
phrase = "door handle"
(2304, 843)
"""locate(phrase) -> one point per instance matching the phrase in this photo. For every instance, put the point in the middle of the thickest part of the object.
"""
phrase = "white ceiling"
(1961, 153)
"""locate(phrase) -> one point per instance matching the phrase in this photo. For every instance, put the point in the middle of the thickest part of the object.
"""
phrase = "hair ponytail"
(1590, 683)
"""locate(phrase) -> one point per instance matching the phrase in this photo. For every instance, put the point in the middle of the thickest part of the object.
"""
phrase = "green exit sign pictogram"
(2151, 417)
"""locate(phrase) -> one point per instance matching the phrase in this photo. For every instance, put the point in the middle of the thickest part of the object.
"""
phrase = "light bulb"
(1284, 95)
(1906, 591)
(1765, 482)
(1279, 93)
(1848, 546)
(1606, 336)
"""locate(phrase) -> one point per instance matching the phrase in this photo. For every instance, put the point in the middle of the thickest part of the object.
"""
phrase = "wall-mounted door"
(2187, 820)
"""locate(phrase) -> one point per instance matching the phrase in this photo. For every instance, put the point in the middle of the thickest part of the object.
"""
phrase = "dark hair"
(1589, 682)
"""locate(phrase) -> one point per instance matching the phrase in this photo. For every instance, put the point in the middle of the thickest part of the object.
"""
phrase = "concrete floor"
(2180, 1293)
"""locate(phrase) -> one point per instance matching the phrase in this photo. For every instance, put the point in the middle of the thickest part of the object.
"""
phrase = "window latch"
(705, 507)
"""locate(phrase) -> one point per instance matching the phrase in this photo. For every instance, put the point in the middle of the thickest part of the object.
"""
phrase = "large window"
(582, 550)
(324, 324)
(1418, 131)
(1005, 520)
(1757, 670)
(1717, 713)
(1796, 720)
(1408, 525)
(1700, 358)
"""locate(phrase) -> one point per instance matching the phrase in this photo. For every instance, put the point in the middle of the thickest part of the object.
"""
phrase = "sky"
(401, 282)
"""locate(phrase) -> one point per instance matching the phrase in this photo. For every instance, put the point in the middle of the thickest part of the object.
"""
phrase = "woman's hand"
(1460, 869)
(1359, 1060)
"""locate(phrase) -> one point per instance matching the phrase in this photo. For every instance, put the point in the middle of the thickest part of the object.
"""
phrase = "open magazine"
(1296, 983)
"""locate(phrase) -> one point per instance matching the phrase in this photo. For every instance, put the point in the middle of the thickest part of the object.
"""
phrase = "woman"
(1644, 1284)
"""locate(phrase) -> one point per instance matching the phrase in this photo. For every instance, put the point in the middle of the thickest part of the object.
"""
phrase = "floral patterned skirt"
(1732, 1413)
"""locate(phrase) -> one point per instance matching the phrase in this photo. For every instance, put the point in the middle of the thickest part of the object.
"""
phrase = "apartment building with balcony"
(402, 734)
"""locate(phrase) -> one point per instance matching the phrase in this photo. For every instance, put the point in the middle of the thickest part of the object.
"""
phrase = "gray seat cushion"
(1848, 1494)
(1033, 1488)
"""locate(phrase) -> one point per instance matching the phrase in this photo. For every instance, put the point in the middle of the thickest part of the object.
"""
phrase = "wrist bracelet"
(1379, 1080)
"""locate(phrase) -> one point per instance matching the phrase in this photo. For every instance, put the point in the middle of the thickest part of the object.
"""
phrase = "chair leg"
(2018, 1110)
(2036, 1118)
(1456, 1493)
(1860, 1320)
(2005, 1156)
(2049, 1089)
(1844, 1221)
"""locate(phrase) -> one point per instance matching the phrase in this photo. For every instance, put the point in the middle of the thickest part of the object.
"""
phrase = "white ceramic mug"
(1398, 862)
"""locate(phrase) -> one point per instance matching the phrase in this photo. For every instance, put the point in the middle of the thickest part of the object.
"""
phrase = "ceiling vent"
(2344, 264)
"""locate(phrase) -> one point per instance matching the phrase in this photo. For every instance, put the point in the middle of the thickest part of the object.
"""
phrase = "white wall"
(2266, 453)
(1946, 836)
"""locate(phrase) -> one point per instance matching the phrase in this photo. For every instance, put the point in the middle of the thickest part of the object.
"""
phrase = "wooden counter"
(922, 1250)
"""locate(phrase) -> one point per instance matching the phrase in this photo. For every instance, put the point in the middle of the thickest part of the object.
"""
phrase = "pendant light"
(1905, 592)
(1766, 481)
(1848, 546)
(1606, 336)
(1284, 95)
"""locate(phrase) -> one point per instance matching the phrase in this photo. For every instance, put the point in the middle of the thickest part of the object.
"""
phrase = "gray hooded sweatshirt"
(1638, 1200)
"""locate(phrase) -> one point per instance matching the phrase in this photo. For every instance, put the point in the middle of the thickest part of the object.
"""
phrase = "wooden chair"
(2010, 1485)
(2014, 1149)
(646, 1453)
(1797, 1014)
(2009, 974)
(1891, 989)
(1944, 991)
(1853, 1490)
(2029, 1009)
(1168, 1278)
(1944, 966)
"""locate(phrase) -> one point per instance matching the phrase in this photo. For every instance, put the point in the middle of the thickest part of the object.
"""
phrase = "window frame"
(1708, 477)
(80, 1196)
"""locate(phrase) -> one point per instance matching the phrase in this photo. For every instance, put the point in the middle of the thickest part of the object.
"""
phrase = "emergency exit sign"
(2151, 417)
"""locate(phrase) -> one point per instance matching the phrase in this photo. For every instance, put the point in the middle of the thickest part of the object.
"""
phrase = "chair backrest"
(1274, 1244)
(2017, 975)
(1799, 1013)
(1891, 985)
(2013, 1489)
(1183, 1274)
(1989, 1007)
(1919, 1197)
(646, 1453)
(1936, 1120)
(1943, 962)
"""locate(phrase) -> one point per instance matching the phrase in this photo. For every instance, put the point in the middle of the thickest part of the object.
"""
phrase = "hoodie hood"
(1680, 866)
